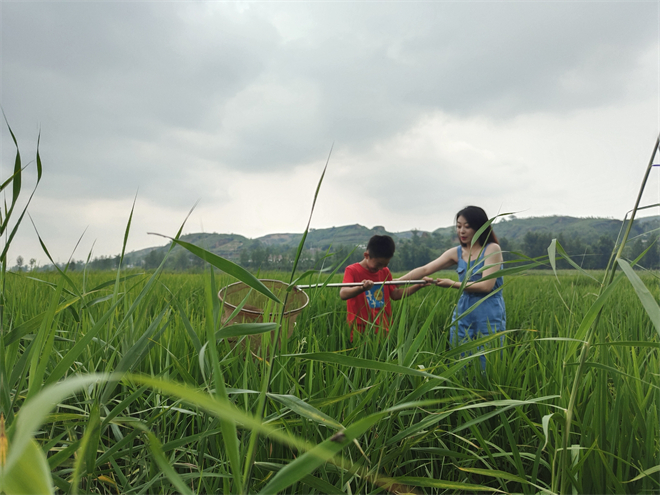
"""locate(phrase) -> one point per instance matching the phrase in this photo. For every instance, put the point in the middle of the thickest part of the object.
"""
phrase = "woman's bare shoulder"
(452, 253)
(493, 247)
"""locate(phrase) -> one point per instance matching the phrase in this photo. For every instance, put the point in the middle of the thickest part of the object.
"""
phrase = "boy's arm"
(350, 292)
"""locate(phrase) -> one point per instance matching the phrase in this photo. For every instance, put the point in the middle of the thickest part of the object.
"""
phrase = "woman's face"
(464, 232)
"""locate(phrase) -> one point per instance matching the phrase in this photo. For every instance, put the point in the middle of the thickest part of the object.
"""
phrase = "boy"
(370, 302)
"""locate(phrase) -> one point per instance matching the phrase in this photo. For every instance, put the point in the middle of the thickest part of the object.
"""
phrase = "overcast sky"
(539, 108)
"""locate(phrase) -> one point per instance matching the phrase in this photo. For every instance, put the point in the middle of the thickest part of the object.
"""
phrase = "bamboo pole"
(358, 284)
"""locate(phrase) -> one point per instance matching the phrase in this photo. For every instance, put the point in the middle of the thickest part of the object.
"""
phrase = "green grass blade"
(645, 296)
(157, 451)
(645, 473)
(79, 347)
(29, 473)
(187, 325)
(321, 486)
(301, 244)
(30, 326)
(591, 315)
(243, 329)
(425, 423)
(41, 350)
(228, 267)
(444, 485)
(34, 411)
(228, 427)
(419, 338)
(16, 191)
(305, 410)
(310, 461)
(483, 228)
(330, 357)
(137, 352)
(503, 475)
(632, 343)
(87, 450)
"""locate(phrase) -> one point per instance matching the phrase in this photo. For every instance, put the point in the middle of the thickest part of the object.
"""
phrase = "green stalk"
(229, 432)
(251, 454)
(609, 277)
(16, 182)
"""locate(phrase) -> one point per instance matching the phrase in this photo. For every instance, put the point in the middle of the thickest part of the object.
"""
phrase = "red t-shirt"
(367, 306)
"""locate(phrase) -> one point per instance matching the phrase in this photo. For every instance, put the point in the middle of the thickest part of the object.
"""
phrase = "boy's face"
(374, 264)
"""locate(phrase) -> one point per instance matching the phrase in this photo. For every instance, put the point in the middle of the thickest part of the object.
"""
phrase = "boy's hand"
(350, 292)
(428, 281)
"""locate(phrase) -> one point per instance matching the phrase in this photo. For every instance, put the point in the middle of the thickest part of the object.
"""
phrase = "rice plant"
(128, 382)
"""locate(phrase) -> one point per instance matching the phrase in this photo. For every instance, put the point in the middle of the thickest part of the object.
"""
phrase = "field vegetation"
(443, 425)
(127, 382)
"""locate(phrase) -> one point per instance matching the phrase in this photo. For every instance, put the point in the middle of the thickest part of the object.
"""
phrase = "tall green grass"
(335, 383)
(125, 382)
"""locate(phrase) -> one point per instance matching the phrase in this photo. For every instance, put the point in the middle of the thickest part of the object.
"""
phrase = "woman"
(490, 315)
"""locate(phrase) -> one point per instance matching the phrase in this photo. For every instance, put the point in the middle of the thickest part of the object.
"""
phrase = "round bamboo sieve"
(258, 308)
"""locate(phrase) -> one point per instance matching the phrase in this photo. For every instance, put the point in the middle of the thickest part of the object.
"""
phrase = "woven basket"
(254, 309)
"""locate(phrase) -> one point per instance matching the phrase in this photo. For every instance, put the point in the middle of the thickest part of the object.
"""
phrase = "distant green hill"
(348, 235)
(230, 246)
(584, 229)
(226, 245)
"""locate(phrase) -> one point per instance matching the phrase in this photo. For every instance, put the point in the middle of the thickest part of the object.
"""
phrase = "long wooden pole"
(357, 284)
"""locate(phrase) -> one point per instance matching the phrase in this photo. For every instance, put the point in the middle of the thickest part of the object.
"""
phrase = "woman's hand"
(447, 283)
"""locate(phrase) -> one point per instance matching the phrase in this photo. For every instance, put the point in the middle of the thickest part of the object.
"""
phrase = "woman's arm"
(397, 293)
(446, 259)
(492, 260)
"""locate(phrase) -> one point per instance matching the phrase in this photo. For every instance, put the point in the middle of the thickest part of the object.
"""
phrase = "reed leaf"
(645, 296)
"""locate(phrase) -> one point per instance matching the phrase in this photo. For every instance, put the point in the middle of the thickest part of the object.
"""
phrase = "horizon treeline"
(422, 247)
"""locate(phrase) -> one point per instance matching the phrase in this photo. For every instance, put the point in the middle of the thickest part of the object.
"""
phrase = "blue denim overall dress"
(489, 317)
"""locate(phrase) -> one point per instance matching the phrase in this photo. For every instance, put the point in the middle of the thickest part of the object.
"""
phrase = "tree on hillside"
(507, 249)
(637, 248)
(154, 259)
(244, 258)
(652, 258)
(536, 243)
(19, 263)
(579, 252)
(259, 255)
(181, 260)
(603, 250)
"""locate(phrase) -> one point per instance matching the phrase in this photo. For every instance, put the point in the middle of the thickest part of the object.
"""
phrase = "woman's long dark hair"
(476, 217)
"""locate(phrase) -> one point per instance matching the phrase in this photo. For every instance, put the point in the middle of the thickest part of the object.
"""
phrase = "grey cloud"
(375, 69)
(109, 79)
(130, 68)
(472, 58)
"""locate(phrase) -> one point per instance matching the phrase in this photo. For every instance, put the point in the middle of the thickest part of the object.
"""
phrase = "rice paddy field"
(122, 383)
(134, 383)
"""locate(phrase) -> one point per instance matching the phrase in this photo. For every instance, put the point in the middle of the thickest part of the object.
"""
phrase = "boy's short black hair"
(381, 246)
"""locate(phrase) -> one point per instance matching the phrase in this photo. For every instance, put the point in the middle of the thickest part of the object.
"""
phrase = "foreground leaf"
(503, 475)
(331, 357)
(228, 267)
(446, 485)
(29, 474)
(645, 296)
